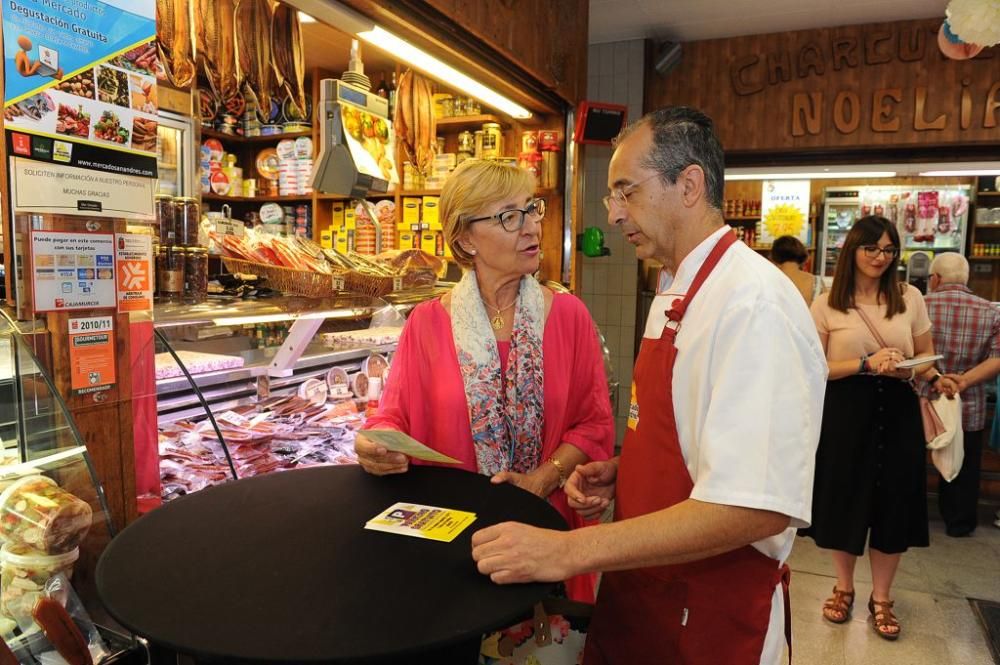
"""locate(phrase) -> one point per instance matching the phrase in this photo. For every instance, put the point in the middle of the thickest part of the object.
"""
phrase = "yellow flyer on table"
(430, 522)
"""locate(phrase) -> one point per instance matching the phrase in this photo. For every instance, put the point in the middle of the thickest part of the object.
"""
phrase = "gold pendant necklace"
(498, 321)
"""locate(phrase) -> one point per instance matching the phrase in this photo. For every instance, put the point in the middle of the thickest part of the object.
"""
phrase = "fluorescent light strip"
(810, 175)
(961, 172)
(275, 318)
(306, 18)
(435, 68)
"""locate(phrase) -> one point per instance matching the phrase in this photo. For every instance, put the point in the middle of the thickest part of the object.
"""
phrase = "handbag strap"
(871, 328)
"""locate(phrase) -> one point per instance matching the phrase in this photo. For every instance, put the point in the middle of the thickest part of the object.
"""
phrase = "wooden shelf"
(232, 138)
(987, 193)
(988, 226)
(984, 258)
(254, 199)
(742, 219)
(421, 192)
(459, 123)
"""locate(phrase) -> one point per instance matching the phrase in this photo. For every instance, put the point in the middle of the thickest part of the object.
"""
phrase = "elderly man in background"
(966, 329)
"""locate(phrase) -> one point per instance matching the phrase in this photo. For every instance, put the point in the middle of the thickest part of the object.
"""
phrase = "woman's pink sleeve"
(590, 423)
(394, 406)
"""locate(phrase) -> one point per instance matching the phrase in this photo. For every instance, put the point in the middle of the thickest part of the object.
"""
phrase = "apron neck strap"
(680, 305)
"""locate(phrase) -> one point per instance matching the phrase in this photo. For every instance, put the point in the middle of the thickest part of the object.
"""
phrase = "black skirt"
(870, 468)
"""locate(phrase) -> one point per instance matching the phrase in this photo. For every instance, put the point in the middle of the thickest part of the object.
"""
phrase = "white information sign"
(134, 270)
(72, 270)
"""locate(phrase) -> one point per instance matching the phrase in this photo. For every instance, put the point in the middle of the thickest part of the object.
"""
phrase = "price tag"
(232, 418)
(338, 284)
(230, 228)
(397, 283)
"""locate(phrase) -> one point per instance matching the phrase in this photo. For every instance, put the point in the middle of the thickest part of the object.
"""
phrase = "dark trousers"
(958, 499)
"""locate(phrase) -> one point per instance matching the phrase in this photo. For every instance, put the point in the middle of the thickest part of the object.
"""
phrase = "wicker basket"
(287, 280)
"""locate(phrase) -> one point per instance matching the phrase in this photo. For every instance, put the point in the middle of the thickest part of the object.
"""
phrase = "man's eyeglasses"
(620, 195)
(872, 251)
(512, 220)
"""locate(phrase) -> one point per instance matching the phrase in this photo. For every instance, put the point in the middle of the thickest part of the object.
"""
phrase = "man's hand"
(376, 460)
(512, 552)
(960, 383)
(947, 386)
(591, 487)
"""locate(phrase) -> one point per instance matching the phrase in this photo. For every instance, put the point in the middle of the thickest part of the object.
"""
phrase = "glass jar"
(170, 273)
(165, 218)
(466, 142)
(492, 141)
(195, 274)
(477, 144)
(188, 220)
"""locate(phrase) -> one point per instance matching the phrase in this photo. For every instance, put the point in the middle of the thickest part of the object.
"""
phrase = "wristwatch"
(562, 470)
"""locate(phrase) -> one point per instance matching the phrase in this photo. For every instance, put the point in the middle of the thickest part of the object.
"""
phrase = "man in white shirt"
(717, 464)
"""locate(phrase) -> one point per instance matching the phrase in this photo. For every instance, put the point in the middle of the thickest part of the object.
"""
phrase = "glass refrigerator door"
(838, 218)
(175, 155)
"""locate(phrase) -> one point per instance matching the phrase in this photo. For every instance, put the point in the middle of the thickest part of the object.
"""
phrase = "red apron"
(711, 611)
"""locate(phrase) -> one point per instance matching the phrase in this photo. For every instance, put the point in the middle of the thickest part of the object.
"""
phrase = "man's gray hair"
(683, 136)
(951, 267)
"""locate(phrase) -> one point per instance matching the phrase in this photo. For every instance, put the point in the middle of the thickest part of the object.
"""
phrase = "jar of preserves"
(164, 207)
(195, 274)
(170, 273)
(466, 142)
(492, 141)
(188, 220)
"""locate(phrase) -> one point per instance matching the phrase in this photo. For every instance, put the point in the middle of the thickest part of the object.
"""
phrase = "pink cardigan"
(425, 395)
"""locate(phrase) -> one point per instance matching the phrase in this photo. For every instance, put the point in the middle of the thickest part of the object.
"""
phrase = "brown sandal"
(837, 608)
(883, 618)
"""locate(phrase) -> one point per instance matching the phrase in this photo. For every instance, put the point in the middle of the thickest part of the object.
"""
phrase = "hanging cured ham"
(288, 56)
(252, 20)
(216, 45)
(174, 41)
(414, 120)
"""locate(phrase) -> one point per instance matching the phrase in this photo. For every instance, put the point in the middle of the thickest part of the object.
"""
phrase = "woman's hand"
(376, 460)
(883, 362)
(539, 482)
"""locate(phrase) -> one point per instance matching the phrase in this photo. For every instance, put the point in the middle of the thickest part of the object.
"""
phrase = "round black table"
(278, 568)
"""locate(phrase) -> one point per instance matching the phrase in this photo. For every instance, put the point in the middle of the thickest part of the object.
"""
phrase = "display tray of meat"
(275, 434)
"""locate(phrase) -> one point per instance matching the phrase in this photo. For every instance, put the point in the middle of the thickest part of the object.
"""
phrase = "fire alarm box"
(598, 122)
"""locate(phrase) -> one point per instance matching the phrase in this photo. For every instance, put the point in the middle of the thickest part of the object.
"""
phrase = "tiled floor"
(931, 591)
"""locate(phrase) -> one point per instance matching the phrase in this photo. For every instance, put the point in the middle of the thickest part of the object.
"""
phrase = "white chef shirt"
(748, 388)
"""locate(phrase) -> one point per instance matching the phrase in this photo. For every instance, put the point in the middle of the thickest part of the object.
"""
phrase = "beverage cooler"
(175, 155)
(928, 219)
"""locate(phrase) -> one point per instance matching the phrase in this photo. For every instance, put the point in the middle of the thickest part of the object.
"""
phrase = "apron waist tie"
(786, 578)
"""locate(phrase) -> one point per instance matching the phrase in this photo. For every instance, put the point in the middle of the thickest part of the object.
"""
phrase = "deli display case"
(54, 520)
(245, 387)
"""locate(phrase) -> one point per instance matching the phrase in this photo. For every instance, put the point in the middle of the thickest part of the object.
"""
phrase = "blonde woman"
(501, 373)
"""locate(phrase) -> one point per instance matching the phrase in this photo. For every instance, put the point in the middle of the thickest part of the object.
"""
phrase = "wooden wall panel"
(547, 38)
(837, 88)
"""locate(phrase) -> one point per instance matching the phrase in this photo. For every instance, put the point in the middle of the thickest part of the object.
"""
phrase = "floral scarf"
(506, 419)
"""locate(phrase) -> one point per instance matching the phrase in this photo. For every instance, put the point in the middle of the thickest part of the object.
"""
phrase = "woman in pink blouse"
(501, 373)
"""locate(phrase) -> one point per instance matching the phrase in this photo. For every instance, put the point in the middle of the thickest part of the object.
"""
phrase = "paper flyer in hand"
(917, 362)
(430, 522)
(399, 442)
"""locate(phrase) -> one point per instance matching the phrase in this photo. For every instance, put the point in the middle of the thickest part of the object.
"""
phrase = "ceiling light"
(350, 21)
(435, 68)
(809, 175)
(306, 18)
(962, 172)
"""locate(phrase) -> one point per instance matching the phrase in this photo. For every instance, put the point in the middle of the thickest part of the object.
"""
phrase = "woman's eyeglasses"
(872, 251)
(512, 220)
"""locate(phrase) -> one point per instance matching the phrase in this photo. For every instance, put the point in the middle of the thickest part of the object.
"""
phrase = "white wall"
(609, 284)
